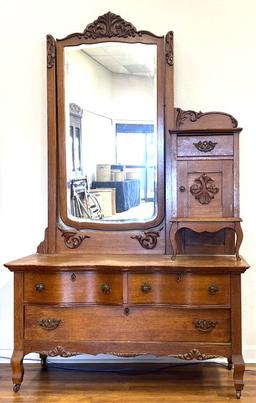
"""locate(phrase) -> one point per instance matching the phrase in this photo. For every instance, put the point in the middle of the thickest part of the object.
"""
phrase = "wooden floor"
(203, 382)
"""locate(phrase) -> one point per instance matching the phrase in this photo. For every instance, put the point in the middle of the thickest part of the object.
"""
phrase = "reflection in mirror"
(111, 132)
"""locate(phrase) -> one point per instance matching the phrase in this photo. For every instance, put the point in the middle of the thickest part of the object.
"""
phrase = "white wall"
(133, 98)
(215, 64)
(89, 85)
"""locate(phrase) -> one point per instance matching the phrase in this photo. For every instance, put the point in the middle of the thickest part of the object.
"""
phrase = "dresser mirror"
(110, 116)
(111, 143)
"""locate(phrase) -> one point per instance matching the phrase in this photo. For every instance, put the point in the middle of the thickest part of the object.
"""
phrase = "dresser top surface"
(79, 261)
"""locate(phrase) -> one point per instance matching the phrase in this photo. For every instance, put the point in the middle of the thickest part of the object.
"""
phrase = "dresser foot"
(238, 375)
(17, 369)
(16, 387)
(43, 359)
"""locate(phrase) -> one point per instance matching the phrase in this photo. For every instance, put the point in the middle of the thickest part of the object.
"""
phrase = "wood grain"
(179, 289)
(186, 148)
(82, 262)
(147, 384)
(86, 287)
(52, 152)
(106, 323)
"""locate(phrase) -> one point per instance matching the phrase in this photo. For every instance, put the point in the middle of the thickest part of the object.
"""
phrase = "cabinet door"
(205, 188)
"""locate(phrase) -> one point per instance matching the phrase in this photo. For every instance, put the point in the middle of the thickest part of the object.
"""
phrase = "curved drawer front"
(183, 289)
(107, 323)
(65, 287)
(205, 146)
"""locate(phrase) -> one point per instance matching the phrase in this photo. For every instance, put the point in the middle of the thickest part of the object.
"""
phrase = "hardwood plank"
(187, 383)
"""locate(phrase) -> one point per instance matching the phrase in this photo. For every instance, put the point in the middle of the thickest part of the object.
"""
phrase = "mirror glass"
(111, 132)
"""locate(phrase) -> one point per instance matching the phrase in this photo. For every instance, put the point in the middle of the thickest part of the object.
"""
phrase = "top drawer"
(68, 287)
(205, 146)
(175, 289)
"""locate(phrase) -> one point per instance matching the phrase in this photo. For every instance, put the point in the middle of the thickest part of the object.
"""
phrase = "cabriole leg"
(238, 375)
(17, 369)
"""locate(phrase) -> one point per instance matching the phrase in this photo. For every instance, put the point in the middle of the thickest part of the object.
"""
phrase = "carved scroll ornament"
(204, 189)
(58, 351)
(182, 116)
(169, 48)
(109, 25)
(73, 239)
(50, 51)
(149, 239)
(195, 354)
(126, 355)
(192, 116)
(62, 352)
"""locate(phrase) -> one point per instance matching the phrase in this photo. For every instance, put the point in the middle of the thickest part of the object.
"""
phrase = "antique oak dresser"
(163, 277)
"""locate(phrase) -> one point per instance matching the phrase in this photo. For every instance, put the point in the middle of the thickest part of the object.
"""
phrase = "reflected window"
(135, 149)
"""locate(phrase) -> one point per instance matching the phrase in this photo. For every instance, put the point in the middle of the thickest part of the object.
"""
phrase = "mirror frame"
(109, 28)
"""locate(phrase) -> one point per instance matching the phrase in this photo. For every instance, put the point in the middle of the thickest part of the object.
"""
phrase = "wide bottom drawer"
(106, 323)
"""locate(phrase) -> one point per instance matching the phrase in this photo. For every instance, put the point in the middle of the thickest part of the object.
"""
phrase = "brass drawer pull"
(49, 324)
(204, 325)
(39, 287)
(205, 146)
(213, 289)
(106, 288)
(182, 188)
(146, 288)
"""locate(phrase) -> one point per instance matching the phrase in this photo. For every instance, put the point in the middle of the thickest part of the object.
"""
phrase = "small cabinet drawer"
(179, 289)
(67, 287)
(205, 146)
(106, 323)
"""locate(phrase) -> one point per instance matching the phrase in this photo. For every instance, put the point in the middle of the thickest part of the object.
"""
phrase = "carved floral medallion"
(204, 189)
